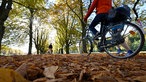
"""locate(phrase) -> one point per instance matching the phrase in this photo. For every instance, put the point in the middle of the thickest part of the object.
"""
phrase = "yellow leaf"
(9, 75)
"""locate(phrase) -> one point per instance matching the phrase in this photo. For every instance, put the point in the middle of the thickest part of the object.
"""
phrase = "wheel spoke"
(133, 42)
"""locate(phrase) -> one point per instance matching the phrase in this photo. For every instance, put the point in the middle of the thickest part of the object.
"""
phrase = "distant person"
(50, 51)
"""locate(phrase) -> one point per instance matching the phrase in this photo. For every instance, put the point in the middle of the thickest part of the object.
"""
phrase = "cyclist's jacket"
(101, 6)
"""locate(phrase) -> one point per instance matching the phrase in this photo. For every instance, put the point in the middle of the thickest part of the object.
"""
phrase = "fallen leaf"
(41, 80)
(22, 69)
(104, 78)
(9, 75)
(55, 80)
(81, 74)
(50, 71)
(140, 79)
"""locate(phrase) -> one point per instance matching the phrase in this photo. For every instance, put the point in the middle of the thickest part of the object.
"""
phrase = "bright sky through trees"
(53, 32)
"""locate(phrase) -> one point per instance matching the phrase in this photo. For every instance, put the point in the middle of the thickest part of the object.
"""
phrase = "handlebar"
(135, 12)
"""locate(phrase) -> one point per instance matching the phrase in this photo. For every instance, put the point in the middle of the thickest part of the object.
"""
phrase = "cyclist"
(102, 8)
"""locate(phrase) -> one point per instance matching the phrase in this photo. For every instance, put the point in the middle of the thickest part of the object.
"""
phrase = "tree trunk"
(61, 50)
(30, 32)
(2, 30)
(5, 8)
(67, 47)
(83, 25)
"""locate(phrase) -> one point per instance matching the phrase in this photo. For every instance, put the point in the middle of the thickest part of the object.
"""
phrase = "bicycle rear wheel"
(85, 46)
(133, 40)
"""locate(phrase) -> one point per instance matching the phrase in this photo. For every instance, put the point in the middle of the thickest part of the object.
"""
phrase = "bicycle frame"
(103, 29)
(89, 33)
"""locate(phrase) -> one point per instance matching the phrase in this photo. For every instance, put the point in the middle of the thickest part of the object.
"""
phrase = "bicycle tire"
(133, 36)
(87, 48)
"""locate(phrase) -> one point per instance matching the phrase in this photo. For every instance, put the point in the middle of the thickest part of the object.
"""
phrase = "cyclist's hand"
(85, 19)
(85, 22)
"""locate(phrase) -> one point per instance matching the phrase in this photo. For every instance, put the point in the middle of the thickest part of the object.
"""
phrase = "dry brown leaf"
(41, 80)
(50, 71)
(65, 75)
(99, 75)
(140, 79)
(6, 65)
(103, 78)
(137, 73)
(55, 80)
(22, 70)
(81, 74)
(143, 67)
(74, 80)
(105, 68)
(122, 73)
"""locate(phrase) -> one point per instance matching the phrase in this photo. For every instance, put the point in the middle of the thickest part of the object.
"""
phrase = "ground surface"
(77, 68)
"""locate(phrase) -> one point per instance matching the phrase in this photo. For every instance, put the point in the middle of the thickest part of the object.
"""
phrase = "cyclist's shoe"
(129, 52)
(96, 36)
(119, 51)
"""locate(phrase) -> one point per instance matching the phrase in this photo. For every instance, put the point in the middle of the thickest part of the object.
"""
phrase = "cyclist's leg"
(98, 18)
(119, 49)
(48, 51)
(51, 50)
(126, 46)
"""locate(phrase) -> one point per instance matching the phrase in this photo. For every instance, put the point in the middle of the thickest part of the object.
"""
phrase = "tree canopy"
(31, 21)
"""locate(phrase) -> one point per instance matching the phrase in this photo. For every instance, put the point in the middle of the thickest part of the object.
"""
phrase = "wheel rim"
(133, 37)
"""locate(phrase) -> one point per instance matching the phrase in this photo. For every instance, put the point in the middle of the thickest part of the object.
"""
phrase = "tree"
(5, 7)
(40, 37)
(33, 6)
(80, 15)
(66, 24)
(17, 26)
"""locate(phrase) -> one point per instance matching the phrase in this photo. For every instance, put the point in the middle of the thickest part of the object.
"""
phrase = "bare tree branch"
(74, 11)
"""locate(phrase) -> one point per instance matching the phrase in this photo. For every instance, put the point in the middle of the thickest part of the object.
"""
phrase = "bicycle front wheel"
(132, 44)
(85, 46)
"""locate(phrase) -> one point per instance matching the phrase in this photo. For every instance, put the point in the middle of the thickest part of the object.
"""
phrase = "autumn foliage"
(75, 68)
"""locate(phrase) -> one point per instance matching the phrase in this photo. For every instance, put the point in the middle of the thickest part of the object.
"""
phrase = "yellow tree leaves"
(38, 4)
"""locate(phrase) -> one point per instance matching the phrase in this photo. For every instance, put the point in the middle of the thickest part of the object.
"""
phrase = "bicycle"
(109, 39)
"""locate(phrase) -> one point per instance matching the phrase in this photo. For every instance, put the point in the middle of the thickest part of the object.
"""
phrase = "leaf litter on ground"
(77, 68)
